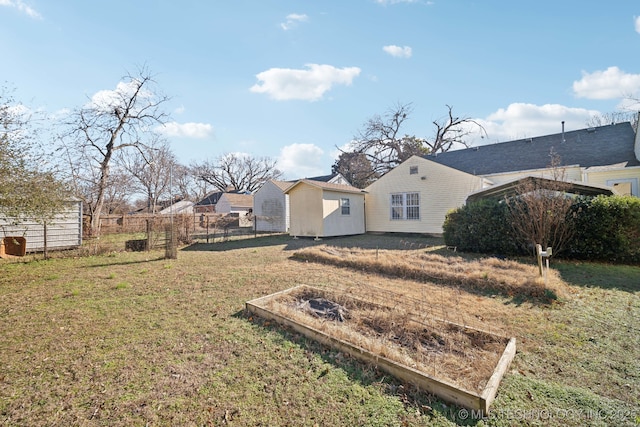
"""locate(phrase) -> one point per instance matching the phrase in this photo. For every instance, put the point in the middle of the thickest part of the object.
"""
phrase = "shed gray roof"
(512, 188)
(599, 146)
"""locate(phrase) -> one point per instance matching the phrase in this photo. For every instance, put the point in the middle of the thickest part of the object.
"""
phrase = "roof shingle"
(600, 146)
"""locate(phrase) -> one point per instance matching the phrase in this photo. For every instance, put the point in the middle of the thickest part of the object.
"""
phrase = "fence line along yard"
(193, 227)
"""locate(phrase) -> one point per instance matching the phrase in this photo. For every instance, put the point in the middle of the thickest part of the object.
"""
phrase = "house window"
(345, 206)
(413, 170)
(405, 206)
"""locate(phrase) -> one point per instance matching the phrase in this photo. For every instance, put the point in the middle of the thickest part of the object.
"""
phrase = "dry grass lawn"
(133, 339)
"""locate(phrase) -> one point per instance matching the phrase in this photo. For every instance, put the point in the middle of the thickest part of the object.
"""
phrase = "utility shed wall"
(64, 232)
(336, 223)
(306, 204)
(271, 208)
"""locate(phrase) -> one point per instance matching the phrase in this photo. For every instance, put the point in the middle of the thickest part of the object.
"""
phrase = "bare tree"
(614, 117)
(356, 169)
(112, 121)
(540, 210)
(118, 193)
(452, 130)
(382, 141)
(188, 186)
(237, 171)
(152, 168)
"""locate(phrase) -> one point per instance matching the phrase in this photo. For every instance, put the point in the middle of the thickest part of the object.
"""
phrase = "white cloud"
(293, 19)
(179, 110)
(611, 83)
(107, 99)
(397, 51)
(636, 20)
(186, 130)
(301, 161)
(520, 120)
(22, 7)
(310, 84)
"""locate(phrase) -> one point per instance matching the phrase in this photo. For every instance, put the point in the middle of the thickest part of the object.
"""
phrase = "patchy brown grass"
(486, 275)
(132, 339)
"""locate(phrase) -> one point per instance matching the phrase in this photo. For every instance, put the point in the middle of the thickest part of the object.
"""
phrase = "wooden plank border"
(441, 388)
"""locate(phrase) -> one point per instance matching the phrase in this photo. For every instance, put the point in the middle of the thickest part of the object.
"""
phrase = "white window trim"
(345, 205)
(403, 206)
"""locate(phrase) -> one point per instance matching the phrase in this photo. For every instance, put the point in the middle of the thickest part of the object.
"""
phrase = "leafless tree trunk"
(112, 121)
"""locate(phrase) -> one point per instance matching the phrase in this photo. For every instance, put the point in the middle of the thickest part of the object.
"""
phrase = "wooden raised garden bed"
(459, 364)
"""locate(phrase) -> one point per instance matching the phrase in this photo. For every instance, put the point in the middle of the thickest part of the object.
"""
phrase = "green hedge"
(480, 227)
(607, 229)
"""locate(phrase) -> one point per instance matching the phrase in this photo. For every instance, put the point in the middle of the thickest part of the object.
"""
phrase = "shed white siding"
(305, 205)
(440, 189)
(317, 209)
(64, 232)
(271, 207)
(337, 223)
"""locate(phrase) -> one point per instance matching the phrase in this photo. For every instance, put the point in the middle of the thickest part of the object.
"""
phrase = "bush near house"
(607, 228)
(480, 227)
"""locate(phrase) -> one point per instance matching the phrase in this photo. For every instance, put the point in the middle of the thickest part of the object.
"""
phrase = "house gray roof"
(323, 178)
(213, 197)
(599, 146)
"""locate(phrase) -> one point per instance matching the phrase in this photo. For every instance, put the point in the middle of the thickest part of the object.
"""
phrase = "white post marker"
(543, 254)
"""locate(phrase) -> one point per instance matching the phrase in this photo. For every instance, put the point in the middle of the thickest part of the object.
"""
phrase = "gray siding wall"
(64, 232)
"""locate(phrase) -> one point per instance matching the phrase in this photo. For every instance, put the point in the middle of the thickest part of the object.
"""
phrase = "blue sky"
(292, 80)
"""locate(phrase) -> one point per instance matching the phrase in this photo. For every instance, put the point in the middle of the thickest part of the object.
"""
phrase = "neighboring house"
(323, 209)
(64, 232)
(271, 204)
(208, 202)
(605, 155)
(181, 207)
(416, 196)
(238, 203)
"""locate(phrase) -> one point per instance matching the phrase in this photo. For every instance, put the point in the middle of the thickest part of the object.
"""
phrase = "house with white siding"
(238, 203)
(321, 209)
(416, 196)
